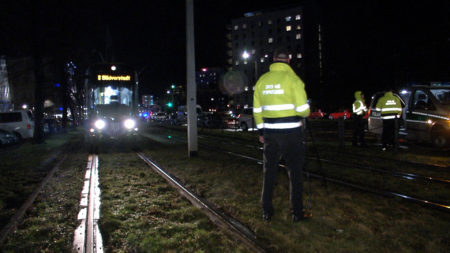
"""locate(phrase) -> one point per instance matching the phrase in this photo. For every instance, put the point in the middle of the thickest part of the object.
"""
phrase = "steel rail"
(17, 218)
(229, 224)
(384, 158)
(409, 176)
(432, 204)
(405, 175)
(87, 237)
(427, 203)
(432, 166)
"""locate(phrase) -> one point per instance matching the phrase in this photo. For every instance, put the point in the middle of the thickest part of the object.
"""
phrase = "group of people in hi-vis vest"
(279, 107)
(390, 108)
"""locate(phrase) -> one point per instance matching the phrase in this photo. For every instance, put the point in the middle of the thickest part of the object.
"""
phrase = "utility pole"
(191, 99)
(39, 95)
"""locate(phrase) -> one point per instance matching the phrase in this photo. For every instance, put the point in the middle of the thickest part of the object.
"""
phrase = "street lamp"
(246, 56)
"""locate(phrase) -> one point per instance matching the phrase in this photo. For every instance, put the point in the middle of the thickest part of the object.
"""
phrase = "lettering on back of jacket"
(391, 102)
(273, 89)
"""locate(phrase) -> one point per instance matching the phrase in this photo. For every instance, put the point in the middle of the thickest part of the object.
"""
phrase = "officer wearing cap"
(279, 106)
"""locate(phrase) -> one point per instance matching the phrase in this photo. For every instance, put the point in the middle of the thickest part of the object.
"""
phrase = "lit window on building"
(236, 63)
(236, 27)
(299, 55)
(269, 21)
(297, 17)
(298, 27)
(288, 28)
(290, 56)
(298, 36)
(270, 40)
(288, 18)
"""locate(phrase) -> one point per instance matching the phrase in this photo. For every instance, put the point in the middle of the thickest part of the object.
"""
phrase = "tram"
(111, 101)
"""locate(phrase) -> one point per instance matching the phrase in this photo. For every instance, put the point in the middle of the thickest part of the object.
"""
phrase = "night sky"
(368, 44)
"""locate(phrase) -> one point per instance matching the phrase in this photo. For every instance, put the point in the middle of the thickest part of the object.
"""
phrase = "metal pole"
(191, 89)
(396, 126)
(341, 132)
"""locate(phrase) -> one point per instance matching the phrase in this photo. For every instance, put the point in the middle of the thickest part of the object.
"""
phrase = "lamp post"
(246, 56)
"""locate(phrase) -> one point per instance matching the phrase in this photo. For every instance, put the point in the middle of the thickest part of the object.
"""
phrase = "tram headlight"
(129, 124)
(100, 124)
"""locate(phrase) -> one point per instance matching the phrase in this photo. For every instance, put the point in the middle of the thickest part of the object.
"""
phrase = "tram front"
(111, 101)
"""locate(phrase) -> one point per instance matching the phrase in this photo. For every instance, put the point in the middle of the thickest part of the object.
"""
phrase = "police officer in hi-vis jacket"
(279, 105)
(391, 110)
(359, 109)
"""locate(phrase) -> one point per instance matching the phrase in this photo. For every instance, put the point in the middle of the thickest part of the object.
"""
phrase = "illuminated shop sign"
(113, 78)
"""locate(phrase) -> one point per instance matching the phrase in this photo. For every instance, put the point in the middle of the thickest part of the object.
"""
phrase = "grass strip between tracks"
(344, 220)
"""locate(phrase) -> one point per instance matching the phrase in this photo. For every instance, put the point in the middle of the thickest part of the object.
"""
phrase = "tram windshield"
(113, 95)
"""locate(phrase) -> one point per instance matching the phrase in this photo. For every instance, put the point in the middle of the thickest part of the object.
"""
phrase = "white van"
(426, 114)
(20, 122)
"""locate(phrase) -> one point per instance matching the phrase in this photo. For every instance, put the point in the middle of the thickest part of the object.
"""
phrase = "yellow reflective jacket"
(279, 99)
(359, 108)
(389, 105)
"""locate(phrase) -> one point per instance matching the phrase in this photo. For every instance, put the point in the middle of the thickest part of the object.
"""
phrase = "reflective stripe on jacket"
(279, 99)
(358, 106)
(389, 105)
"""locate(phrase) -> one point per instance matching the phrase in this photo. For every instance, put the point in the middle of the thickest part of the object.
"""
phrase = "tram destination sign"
(113, 77)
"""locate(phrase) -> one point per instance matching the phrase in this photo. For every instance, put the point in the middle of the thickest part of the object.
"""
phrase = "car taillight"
(239, 116)
(28, 126)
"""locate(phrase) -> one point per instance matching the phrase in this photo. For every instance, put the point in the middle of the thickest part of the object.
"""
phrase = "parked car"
(213, 120)
(181, 114)
(20, 123)
(52, 125)
(425, 117)
(7, 137)
(317, 114)
(160, 116)
(340, 114)
(246, 120)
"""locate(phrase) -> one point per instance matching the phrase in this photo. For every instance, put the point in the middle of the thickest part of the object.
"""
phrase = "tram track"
(16, 219)
(232, 226)
(87, 236)
(439, 206)
(395, 173)
(388, 171)
(385, 193)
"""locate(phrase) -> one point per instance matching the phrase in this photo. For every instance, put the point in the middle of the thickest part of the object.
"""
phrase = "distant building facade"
(255, 36)
(148, 100)
(209, 95)
(5, 99)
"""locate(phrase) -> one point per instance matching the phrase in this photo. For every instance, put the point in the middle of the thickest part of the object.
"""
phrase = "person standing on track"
(390, 107)
(359, 109)
(279, 105)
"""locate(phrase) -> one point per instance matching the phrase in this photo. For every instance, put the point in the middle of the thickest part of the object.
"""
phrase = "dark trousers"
(358, 130)
(291, 147)
(388, 132)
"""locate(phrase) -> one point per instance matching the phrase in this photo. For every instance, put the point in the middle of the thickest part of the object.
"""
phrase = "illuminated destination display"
(113, 78)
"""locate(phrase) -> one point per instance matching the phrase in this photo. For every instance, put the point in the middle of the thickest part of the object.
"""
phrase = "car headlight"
(129, 124)
(100, 124)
